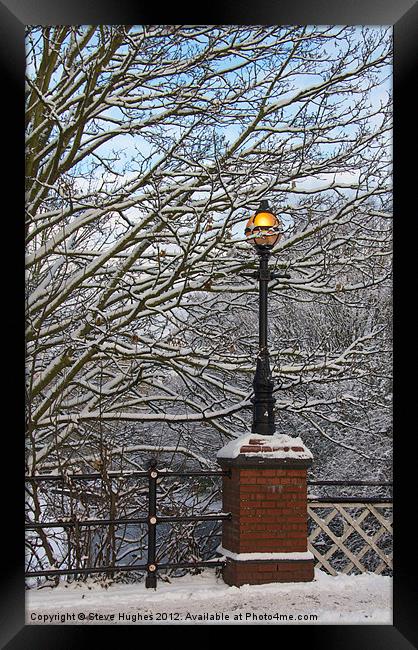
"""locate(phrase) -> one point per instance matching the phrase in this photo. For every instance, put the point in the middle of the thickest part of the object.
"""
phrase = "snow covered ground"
(205, 600)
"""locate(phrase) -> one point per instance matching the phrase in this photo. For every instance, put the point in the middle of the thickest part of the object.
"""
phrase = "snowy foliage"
(148, 147)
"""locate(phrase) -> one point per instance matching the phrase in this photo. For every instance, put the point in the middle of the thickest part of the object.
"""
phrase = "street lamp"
(264, 231)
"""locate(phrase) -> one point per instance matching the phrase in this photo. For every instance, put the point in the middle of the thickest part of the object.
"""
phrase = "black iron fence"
(386, 487)
(154, 518)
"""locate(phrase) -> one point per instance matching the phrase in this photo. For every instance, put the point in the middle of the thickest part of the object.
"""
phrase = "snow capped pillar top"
(278, 450)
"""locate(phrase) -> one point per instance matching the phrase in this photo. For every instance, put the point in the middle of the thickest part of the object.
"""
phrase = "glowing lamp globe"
(264, 228)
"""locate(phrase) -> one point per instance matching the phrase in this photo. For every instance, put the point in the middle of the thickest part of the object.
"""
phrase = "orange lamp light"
(264, 228)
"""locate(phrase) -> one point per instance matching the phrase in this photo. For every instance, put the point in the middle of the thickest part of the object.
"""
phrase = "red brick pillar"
(266, 494)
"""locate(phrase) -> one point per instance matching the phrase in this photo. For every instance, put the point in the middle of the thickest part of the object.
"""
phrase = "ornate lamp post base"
(263, 400)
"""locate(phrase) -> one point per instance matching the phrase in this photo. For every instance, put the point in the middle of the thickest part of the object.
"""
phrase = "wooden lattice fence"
(351, 537)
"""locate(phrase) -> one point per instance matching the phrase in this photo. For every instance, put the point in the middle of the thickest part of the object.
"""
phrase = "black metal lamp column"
(263, 400)
(265, 230)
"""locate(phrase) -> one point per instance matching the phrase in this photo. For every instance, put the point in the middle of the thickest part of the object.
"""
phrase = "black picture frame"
(14, 15)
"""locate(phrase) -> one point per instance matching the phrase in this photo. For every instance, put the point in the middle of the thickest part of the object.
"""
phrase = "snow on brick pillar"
(266, 493)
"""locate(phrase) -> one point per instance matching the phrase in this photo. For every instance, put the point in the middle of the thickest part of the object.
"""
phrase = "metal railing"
(152, 521)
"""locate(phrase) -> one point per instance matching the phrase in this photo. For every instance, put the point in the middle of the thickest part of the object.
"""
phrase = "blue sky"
(132, 147)
(128, 144)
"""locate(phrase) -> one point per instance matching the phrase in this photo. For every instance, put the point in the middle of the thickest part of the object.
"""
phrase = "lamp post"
(264, 231)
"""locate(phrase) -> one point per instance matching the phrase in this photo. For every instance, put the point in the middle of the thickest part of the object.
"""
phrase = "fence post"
(151, 579)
